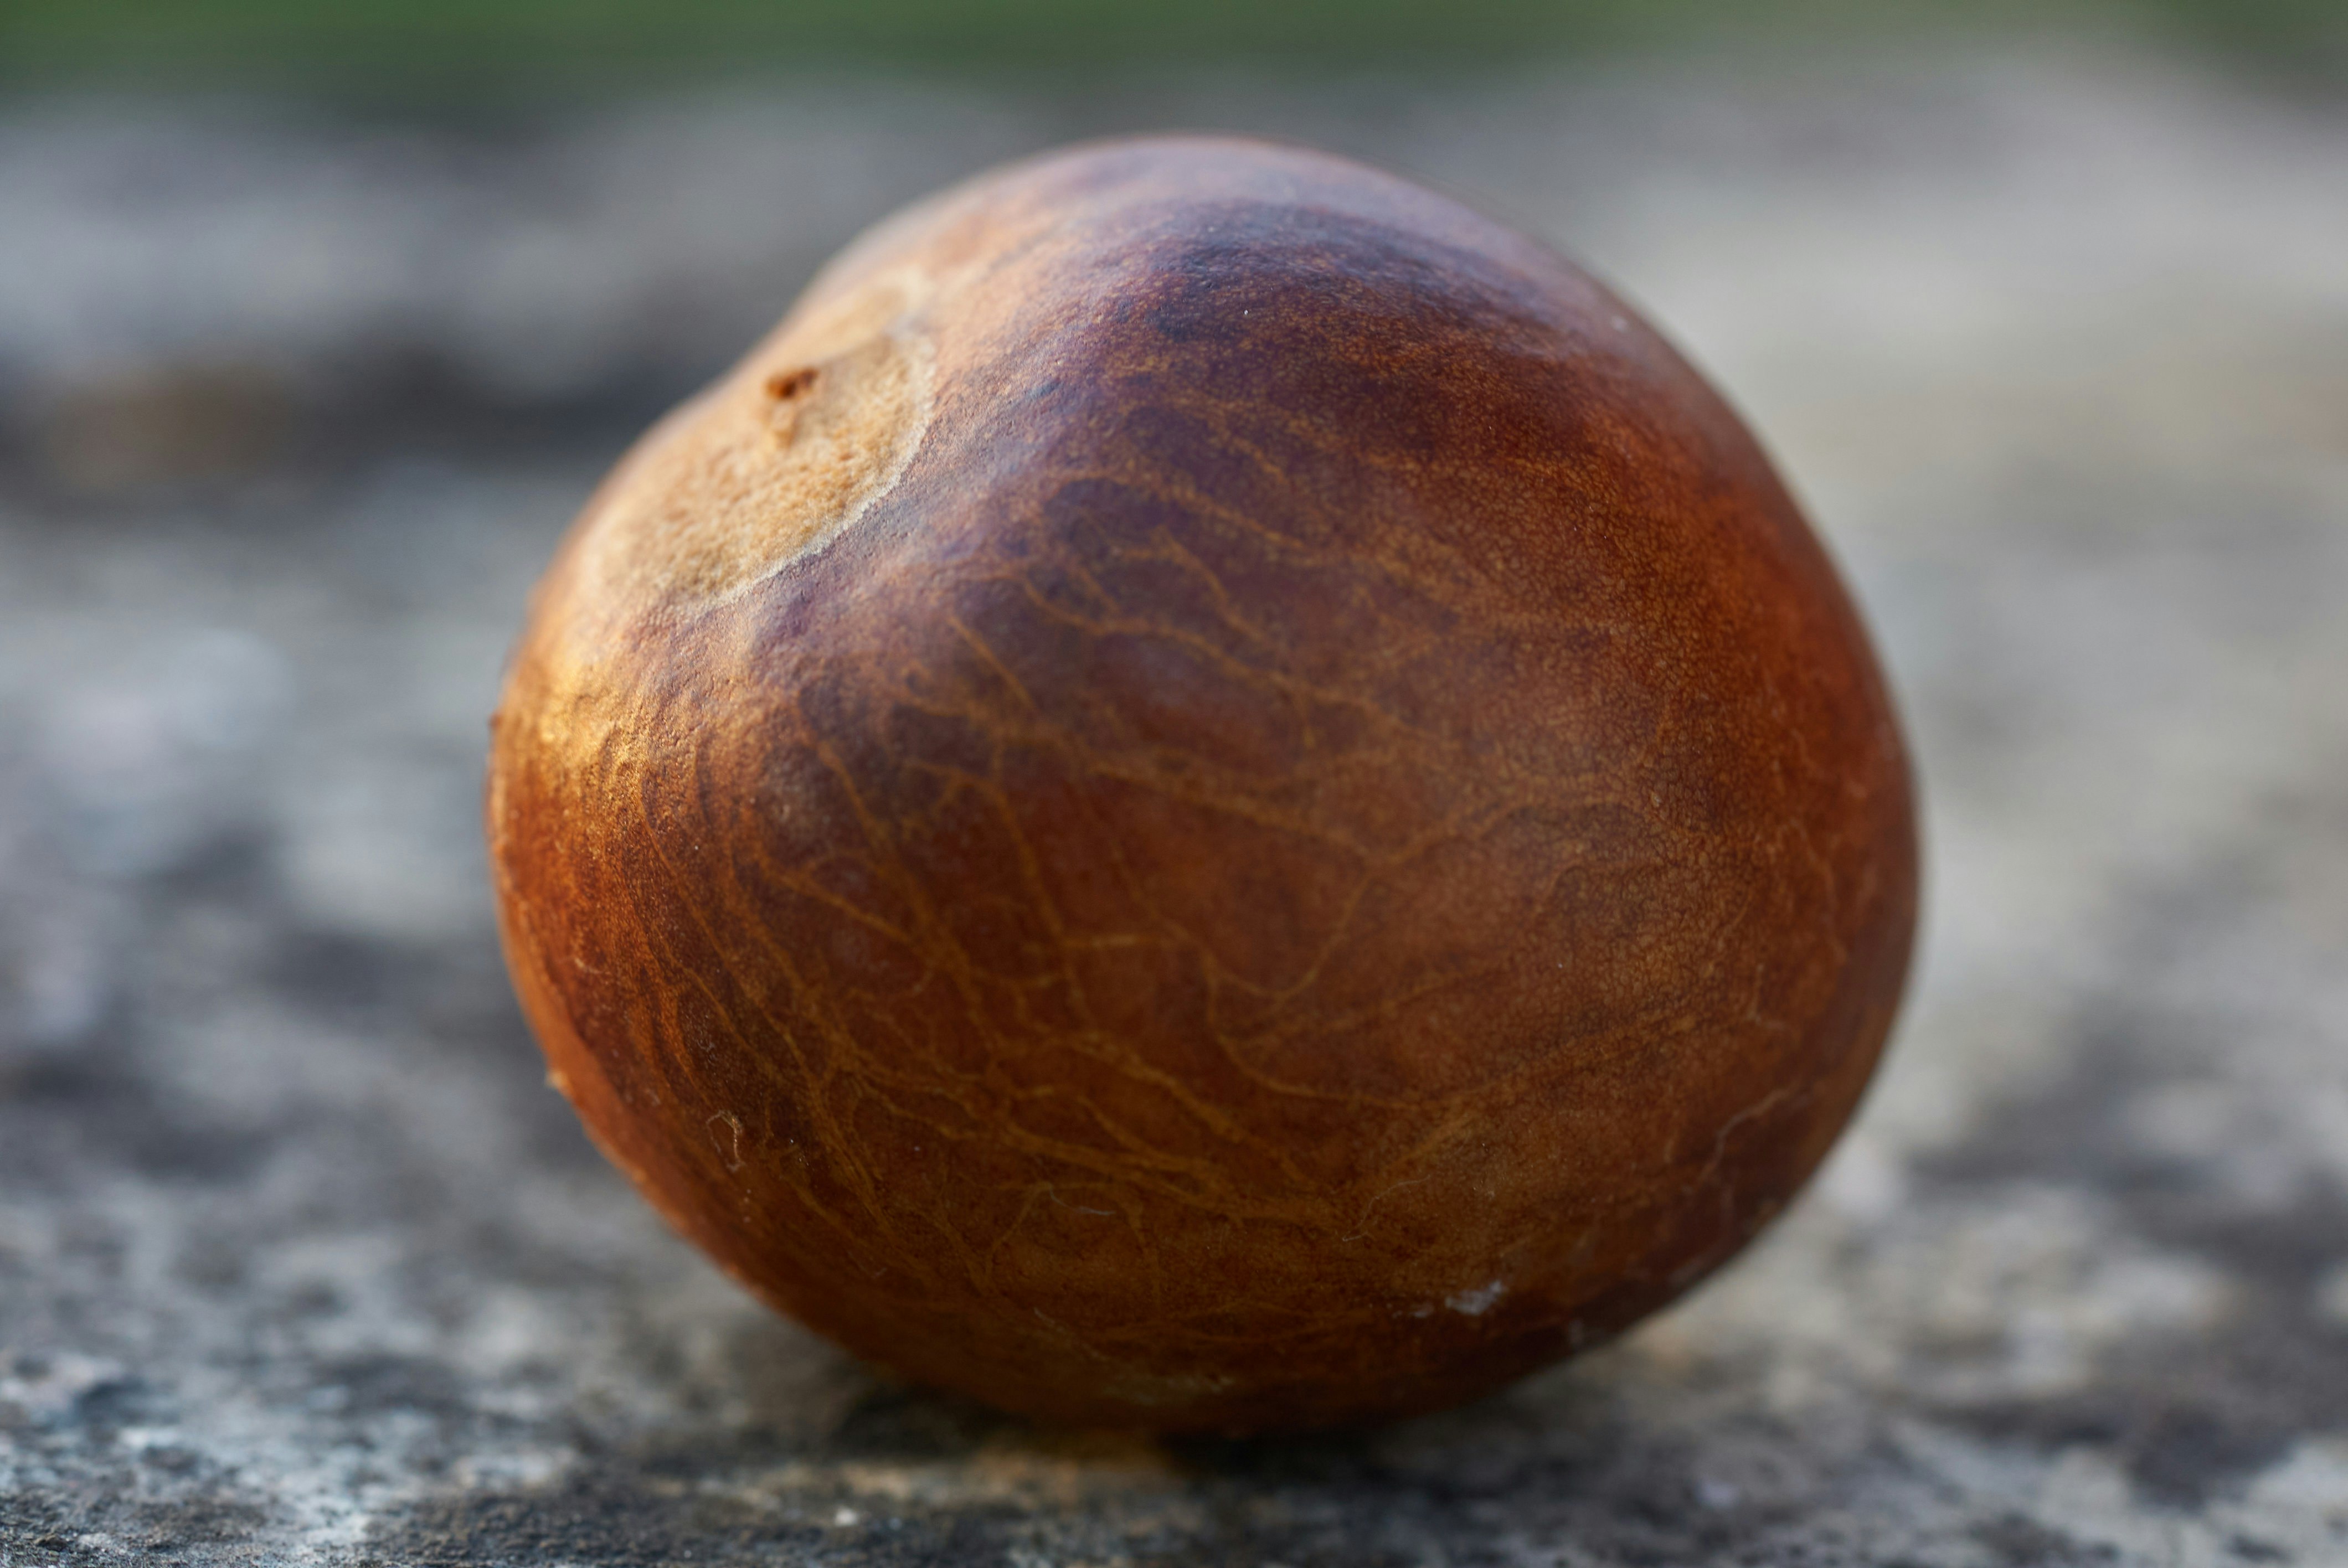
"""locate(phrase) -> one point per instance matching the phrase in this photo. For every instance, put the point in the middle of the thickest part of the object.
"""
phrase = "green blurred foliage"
(485, 42)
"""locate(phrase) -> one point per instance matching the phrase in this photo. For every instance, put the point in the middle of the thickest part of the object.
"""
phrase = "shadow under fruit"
(1211, 794)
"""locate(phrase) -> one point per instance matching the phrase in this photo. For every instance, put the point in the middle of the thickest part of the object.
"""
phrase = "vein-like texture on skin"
(1277, 821)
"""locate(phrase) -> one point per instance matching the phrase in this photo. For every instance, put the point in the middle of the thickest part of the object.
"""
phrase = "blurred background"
(317, 324)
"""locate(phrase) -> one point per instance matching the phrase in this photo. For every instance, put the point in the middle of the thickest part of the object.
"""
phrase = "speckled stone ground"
(299, 1261)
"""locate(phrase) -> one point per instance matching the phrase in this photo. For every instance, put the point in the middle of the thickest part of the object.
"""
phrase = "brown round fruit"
(1211, 794)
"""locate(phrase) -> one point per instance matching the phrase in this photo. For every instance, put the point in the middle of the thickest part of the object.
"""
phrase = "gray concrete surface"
(301, 1263)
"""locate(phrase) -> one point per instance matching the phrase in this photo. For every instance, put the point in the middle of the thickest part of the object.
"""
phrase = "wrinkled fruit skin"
(1212, 794)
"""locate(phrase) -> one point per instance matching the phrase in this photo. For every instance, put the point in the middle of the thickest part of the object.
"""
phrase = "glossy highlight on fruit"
(1211, 794)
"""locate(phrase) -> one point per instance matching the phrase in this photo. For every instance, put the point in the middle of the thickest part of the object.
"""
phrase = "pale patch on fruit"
(729, 1150)
(776, 461)
(1476, 1303)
